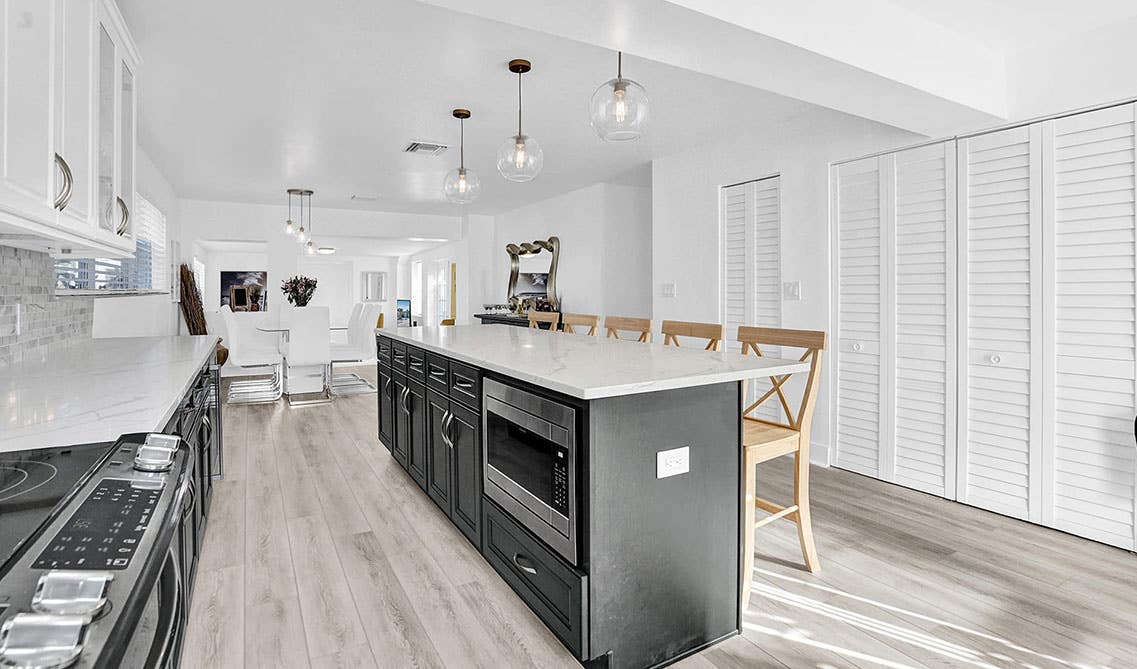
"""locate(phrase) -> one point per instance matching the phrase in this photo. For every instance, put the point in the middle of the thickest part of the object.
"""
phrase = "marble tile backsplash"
(27, 298)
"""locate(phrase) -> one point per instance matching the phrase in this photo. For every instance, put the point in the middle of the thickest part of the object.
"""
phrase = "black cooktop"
(33, 482)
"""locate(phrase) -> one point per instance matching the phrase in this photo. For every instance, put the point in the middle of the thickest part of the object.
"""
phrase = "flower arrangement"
(298, 290)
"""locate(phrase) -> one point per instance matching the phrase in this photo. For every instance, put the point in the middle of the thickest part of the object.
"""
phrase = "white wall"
(685, 218)
(605, 262)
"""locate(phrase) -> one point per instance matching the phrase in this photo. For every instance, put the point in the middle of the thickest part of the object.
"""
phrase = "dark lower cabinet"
(414, 405)
(438, 450)
(465, 431)
(454, 453)
(386, 397)
(401, 439)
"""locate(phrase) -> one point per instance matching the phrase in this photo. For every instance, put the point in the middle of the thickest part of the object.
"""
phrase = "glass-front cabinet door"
(116, 112)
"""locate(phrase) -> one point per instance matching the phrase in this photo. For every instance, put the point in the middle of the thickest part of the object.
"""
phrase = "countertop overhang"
(588, 367)
(97, 390)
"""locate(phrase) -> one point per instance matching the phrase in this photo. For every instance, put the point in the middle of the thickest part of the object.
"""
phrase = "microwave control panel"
(560, 483)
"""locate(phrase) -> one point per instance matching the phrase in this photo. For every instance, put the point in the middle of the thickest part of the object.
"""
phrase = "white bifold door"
(985, 317)
(895, 317)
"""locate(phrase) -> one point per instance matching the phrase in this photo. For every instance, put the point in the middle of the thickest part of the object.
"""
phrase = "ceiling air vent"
(426, 148)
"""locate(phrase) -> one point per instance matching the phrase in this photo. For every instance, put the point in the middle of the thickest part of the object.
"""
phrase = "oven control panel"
(104, 531)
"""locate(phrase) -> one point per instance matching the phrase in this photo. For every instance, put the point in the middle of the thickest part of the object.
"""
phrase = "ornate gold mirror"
(533, 274)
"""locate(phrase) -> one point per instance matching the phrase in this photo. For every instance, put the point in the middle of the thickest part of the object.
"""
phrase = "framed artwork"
(245, 291)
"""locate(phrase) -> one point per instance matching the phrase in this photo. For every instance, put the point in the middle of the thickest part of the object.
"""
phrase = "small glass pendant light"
(619, 108)
(461, 185)
(305, 235)
(520, 157)
(288, 227)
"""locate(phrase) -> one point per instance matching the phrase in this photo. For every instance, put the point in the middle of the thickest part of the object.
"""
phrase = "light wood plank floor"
(322, 552)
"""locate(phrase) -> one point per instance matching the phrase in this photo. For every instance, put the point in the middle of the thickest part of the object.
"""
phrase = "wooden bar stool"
(569, 323)
(553, 318)
(712, 332)
(642, 326)
(764, 440)
(446, 321)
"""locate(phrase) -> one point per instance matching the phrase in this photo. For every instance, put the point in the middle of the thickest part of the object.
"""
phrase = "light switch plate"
(673, 462)
(791, 291)
(667, 290)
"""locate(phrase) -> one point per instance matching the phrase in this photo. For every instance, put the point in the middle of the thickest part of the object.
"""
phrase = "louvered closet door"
(923, 454)
(1000, 377)
(857, 195)
(1090, 242)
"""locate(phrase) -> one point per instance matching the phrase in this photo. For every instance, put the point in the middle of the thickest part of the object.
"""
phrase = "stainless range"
(98, 573)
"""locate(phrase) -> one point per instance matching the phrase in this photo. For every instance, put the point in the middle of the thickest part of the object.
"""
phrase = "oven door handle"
(173, 630)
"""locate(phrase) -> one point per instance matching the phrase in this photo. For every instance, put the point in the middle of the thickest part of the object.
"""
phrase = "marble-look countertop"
(588, 367)
(98, 389)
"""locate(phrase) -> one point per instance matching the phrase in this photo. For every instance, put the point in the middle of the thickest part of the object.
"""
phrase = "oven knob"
(77, 593)
(157, 453)
(42, 641)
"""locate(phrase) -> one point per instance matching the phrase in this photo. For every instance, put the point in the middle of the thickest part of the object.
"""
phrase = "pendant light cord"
(462, 143)
(518, 104)
(619, 65)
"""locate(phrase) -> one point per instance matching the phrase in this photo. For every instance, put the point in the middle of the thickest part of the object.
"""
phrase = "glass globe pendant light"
(289, 229)
(305, 235)
(520, 158)
(619, 108)
(462, 186)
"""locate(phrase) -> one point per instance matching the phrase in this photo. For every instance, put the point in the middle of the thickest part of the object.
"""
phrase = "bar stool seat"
(768, 441)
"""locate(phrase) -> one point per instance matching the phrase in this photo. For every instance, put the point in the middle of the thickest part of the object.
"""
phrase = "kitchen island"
(600, 478)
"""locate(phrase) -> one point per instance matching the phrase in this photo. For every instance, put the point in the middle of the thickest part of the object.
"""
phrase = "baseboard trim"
(819, 454)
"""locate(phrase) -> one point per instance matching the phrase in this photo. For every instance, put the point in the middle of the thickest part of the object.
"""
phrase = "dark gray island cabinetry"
(601, 479)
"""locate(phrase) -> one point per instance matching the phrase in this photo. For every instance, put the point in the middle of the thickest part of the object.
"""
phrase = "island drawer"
(383, 348)
(554, 590)
(437, 372)
(399, 356)
(416, 363)
(466, 385)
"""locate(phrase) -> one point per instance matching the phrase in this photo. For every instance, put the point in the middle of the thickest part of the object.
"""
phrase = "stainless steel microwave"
(529, 456)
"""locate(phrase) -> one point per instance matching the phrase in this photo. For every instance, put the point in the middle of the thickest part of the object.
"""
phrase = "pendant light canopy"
(461, 185)
(619, 108)
(520, 157)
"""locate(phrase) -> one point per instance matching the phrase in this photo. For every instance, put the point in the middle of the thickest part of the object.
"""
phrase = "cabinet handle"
(462, 383)
(451, 431)
(209, 425)
(416, 363)
(64, 197)
(446, 418)
(406, 396)
(437, 371)
(524, 564)
(386, 386)
(124, 225)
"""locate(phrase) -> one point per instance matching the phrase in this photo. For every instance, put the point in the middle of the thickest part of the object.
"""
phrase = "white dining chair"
(251, 358)
(308, 356)
(360, 348)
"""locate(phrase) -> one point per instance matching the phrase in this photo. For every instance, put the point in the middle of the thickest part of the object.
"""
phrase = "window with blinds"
(147, 270)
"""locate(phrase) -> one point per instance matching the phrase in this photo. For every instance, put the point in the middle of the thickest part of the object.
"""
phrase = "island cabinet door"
(402, 423)
(416, 444)
(465, 433)
(438, 450)
(386, 397)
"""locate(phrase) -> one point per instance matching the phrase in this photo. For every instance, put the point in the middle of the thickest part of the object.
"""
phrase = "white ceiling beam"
(872, 59)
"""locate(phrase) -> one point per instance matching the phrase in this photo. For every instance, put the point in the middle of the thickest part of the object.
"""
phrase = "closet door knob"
(995, 358)
(857, 346)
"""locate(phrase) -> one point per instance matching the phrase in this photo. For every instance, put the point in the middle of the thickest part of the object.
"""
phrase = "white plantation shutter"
(1090, 225)
(924, 298)
(737, 206)
(857, 203)
(767, 255)
(1000, 214)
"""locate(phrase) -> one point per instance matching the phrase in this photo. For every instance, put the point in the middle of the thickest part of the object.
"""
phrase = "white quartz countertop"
(588, 367)
(97, 390)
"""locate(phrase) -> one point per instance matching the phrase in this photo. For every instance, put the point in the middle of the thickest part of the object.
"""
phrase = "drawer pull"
(524, 564)
(437, 371)
(463, 383)
(416, 363)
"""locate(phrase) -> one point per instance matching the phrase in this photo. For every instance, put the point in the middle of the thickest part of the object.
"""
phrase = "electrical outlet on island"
(673, 462)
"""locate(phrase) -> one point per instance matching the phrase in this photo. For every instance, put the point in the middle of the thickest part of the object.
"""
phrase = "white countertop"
(588, 367)
(97, 390)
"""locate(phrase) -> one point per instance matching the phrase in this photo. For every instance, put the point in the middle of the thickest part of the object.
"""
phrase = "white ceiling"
(240, 100)
(1013, 25)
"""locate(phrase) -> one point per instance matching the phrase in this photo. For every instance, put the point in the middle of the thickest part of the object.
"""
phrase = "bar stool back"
(569, 323)
(712, 332)
(553, 318)
(642, 326)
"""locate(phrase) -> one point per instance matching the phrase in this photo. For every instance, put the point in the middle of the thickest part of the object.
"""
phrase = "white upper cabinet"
(68, 127)
(26, 141)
